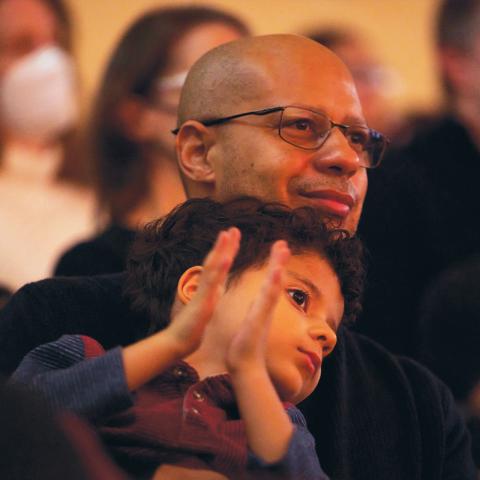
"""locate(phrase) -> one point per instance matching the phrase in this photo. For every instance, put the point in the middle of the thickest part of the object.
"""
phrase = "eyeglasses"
(309, 129)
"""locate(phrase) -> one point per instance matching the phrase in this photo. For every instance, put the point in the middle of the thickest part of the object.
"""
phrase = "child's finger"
(220, 258)
(259, 316)
(216, 267)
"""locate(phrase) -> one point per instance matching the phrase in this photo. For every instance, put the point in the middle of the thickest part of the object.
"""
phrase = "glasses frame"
(266, 111)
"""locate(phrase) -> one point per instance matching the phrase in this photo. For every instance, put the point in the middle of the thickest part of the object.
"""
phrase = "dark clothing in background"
(473, 425)
(38, 445)
(373, 415)
(421, 214)
(105, 253)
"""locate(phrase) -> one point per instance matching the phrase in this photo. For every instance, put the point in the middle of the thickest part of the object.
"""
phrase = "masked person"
(44, 205)
(130, 138)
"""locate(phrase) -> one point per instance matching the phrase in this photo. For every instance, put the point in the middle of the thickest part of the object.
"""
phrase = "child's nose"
(323, 333)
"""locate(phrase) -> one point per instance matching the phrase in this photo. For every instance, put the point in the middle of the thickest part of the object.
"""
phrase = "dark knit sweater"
(174, 419)
(373, 415)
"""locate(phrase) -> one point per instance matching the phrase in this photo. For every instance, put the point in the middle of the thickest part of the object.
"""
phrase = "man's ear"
(193, 144)
(187, 286)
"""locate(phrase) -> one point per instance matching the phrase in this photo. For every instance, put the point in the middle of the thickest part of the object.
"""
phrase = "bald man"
(250, 154)
(268, 116)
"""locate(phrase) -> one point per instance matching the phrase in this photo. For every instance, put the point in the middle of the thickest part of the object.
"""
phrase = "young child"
(234, 341)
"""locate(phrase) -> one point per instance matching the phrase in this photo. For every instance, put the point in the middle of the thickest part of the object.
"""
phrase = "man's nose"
(336, 156)
(321, 332)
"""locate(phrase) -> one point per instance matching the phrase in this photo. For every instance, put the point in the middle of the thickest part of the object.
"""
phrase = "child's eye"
(299, 297)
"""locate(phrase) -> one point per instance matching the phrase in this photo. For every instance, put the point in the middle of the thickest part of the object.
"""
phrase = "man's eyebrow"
(347, 120)
(352, 120)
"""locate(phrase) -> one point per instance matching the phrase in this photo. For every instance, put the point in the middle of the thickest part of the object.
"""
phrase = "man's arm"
(41, 312)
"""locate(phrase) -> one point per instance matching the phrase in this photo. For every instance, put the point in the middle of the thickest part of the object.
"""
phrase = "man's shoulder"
(68, 288)
(369, 354)
(104, 253)
(73, 300)
(372, 402)
(41, 312)
(361, 366)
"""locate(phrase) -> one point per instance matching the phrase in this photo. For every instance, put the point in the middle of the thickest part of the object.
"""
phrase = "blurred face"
(473, 73)
(304, 322)
(25, 25)
(249, 157)
(185, 53)
(370, 81)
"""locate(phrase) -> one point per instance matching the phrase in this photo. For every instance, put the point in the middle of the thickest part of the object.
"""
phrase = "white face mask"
(38, 95)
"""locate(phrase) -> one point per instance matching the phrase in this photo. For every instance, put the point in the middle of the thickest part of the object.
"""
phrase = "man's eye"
(300, 124)
(299, 297)
(359, 136)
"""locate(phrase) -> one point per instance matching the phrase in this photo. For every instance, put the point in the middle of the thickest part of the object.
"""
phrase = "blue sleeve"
(301, 461)
(74, 373)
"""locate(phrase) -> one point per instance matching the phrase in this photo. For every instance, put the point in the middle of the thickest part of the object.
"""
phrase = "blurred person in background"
(422, 210)
(131, 139)
(5, 295)
(38, 444)
(449, 338)
(375, 83)
(44, 205)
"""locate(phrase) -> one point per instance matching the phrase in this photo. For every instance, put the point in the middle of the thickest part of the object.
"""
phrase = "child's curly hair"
(169, 246)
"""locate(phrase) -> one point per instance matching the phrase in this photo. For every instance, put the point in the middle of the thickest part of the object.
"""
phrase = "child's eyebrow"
(316, 292)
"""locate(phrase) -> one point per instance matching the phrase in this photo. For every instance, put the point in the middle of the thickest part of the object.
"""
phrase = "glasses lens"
(369, 143)
(375, 148)
(304, 128)
(307, 129)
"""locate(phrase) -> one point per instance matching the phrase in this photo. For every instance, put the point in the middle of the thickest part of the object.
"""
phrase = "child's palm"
(247, 348)
(187, 327)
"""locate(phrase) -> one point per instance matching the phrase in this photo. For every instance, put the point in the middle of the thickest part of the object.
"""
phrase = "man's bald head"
(246, 71)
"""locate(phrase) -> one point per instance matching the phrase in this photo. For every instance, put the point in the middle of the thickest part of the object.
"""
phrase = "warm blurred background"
(399, 33)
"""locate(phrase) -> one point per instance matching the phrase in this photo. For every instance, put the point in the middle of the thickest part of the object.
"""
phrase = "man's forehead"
(273, 70)
(322, 84)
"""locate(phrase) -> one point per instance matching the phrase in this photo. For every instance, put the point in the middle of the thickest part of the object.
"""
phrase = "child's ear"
(188, 284)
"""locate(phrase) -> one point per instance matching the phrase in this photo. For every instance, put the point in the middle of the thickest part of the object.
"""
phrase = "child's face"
(303, 326)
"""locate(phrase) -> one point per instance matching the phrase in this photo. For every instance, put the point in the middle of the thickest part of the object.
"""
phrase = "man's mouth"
(332, 202)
